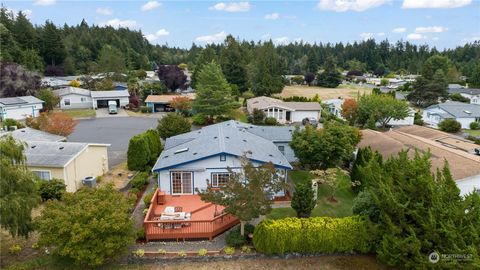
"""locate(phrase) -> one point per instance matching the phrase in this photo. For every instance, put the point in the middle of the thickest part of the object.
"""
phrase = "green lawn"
(472, 132)
(341, 208)
(80, 113)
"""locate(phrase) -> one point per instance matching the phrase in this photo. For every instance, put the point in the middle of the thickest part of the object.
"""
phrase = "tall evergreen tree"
(205, 57)
(51, 44)
(233, 64)
(266, 71)
(330, 77)
(213, 92)
(25, 33)
(111, 59)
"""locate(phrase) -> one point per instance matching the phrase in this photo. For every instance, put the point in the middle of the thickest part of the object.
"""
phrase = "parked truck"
(112, 107)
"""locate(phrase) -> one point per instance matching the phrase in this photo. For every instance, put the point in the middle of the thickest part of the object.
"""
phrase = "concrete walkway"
(137, 214)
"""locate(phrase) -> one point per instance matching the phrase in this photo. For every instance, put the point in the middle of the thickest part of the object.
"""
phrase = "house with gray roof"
(285, 112)
(31, 134)
(203, 157)
(471, 93)
(19, 108)
(74, 98)
(100, 99)
(462, 112)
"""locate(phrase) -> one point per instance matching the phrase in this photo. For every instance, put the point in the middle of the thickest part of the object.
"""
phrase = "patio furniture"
(169, 210)
(178, 209)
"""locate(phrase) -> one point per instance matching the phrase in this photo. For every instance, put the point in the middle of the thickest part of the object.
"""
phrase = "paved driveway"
(103, 112)
(116, 131)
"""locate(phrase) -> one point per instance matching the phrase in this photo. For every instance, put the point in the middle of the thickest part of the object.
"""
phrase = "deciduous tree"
(350, 110)
(181, 104)
(172, 76)
(17, 81)
(173, 124)
(380, 109)
(49, 98)
(55, 123)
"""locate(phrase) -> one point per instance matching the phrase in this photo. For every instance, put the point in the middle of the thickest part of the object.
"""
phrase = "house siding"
(298, 116)
(76, 102)
(288, 152)
(469, 184)
(20, 112)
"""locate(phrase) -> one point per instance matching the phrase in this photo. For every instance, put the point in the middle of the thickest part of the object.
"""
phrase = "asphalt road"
(115, 131)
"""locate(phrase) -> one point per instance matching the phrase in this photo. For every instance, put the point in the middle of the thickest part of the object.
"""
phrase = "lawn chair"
(178, 209)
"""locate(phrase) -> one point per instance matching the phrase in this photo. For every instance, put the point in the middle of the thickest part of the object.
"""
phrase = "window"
(220, 179)
(281, 148)
(182, 182)
(66, 102)
(83, 99)
(223, 157)
(44, 175)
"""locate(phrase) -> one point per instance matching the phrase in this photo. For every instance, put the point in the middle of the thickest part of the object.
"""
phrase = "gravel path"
(137, 214)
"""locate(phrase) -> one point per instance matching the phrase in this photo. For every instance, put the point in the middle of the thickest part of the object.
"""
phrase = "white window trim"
(217, 173)
(181, 173)
(44, 171)
(65, 102)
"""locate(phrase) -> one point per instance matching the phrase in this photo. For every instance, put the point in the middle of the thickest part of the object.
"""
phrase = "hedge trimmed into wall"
(143, 150)
(314, 235)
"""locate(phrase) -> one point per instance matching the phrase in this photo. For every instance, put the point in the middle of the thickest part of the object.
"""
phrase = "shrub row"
(314, 235)
(143, 150)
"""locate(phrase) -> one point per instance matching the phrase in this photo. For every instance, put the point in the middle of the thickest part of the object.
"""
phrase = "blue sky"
(440, 23)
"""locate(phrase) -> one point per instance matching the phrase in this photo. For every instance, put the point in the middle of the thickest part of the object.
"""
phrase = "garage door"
(104, 103)
(18, 113)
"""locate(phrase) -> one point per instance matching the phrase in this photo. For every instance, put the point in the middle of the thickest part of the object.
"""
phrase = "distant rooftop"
(30, 134)
(72, 90)
(15, 101)
(458, 109)
(52, 154)
(266, 102)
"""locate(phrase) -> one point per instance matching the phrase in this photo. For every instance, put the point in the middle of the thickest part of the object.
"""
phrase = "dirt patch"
(343, 91)
(119, 176)
(322, 262)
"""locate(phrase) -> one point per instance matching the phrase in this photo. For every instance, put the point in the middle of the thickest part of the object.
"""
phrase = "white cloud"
(435, 38)
(346, 5)
(104, 11)
(281, 40)
(232, 6)
(159, 34)
(435, 3)
(430, 29)
(120, 23)
(471, 39)
(273, 16)
(366, 35)
(44, 2)
(150, 5)
(415, 36)
(215, 38)
(399, 30)
(151, 37)
(381, 34)
(265, 36)
(26, 12)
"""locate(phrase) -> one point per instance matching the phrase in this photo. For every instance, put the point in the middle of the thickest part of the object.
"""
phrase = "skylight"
(181, 150)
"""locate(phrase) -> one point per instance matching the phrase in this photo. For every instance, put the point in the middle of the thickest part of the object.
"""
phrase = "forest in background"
(85, 49)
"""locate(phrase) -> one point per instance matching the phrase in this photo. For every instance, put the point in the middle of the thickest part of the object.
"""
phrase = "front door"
(182, 182)
(288, 116)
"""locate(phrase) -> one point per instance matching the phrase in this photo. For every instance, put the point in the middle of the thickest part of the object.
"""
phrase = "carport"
(100, 99)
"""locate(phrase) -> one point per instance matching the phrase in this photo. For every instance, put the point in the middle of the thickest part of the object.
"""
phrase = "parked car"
(112, 107)
(310, 121)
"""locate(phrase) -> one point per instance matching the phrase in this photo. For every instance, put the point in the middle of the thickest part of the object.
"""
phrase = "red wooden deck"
(206, 222)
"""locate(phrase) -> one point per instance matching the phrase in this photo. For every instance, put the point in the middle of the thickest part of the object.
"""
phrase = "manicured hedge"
(143, 150)
(314, 235)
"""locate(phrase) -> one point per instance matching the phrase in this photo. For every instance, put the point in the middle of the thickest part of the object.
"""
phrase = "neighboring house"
(19, 108)
(31, 134)
(161, 103)
(462, 112)
(285, 112)
(334, 106)
(71, 162)
(464, 166)
(471, 93)
(74, 98)
(55, 82)
(200, 158)
(100, 99)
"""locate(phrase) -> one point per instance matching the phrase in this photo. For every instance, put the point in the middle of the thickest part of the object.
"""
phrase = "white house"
(334, 106)
(285, 112)
(196, 159)
(74, 98)
(462, 112)
(100, 99)
(471, 93)
(19, 108)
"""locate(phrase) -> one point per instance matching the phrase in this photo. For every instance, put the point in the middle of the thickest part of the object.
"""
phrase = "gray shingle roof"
(72, 90)
(230, 137)
(30, 134)
(52, 154)
(110, 94)
(266, 102)
(14, 101)
(458, 109)
(470, 91)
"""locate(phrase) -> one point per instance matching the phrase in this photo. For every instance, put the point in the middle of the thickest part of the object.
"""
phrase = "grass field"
(341, 208)
(472, 132)
(343, 91)
(80, 113)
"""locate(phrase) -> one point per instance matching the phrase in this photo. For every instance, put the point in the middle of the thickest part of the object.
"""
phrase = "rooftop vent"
(23, 130)
(227, 137)
(467, 112)
(181, 151)
(33, 146)
(244, 140)
(195, 153)
(165, 156)
(215, 137)
(61, 147)
(270, 155)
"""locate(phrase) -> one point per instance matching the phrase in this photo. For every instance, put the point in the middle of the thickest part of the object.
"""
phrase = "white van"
(112, 107)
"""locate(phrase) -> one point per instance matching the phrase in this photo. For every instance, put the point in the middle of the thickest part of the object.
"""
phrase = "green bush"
(173, 124)
(450, 125)
(51, 190)
(145, 109)
(148, 197)
(155, 145)
(15, 249)
(271, 121)
(229, 250)
(314, 235)
(199, 119)
(364, 205)
(141, 233)
(474, 125)
(258, 116)
(12, 122)
(202, 252)
(235, 239)
(140, 180)
(222, 118)
(303, 201)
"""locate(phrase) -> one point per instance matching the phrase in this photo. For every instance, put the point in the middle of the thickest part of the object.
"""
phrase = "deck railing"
(185, 229)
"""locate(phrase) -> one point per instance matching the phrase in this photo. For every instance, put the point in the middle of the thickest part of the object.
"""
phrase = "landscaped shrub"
(139, 253)
(148, 197)
(51, 190)
(364, 205)
(173, 124)
(199, 119)
(138, 154)
(202, 252)
(140, 180)
(258, 116)
(141, 233)
(12, 122)
(314, 235)
(182, 253)
(145, 109)
(246, 249)
(222, 118)
(155, 145)
(15, 249)
(450, 125)
(303, 201)
(235, 239)
(271, 121)
(229, 250)
(474, 125)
